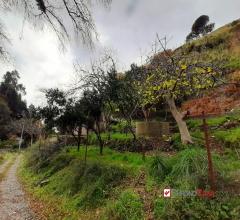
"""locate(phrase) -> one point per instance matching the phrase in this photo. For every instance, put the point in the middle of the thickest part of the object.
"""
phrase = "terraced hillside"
(224, 43)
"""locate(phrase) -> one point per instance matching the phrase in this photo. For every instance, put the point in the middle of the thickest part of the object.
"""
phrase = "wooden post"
(207, 144)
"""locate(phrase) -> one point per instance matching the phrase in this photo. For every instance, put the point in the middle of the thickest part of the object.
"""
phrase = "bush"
(130, 145)
(159, 168)
(58, 162)
(120, 127)
(177, 143)
(39, 158)
(8, 144)
(235, 22)
(190, 168)
(197, 208)
(127, 207)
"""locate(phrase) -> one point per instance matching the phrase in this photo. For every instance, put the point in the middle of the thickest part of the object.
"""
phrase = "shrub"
(177, 143)
(127, 207)
(58, 162)
(190, 168)
(39, 158)
(159, 168)
(120, 127)
(197, 208)
(8, 144)
(235, 22)
(194, 123)
(130, 145)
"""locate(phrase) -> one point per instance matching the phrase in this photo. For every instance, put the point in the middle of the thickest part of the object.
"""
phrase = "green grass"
(113, 136)
(5, 156)
(127, 207)
(103, 185)
(129, 160)
(212, 122)
(195, 208)
(159, 168)
(77, 188)
(231, 137)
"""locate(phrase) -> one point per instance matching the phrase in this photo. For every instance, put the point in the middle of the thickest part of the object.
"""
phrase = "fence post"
(209, 156)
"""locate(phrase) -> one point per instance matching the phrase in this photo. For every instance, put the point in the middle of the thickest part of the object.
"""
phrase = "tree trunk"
(98, 134)
(86, 148)
(131, 129)
(31, 140)
(182, 126)
(79, 138)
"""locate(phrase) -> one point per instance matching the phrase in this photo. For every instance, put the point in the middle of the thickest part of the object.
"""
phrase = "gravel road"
(13, 205)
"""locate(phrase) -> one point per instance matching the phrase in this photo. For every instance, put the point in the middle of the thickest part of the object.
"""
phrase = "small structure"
(154, 129)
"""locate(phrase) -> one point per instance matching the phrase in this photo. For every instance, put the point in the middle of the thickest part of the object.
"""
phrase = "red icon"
(167, 193)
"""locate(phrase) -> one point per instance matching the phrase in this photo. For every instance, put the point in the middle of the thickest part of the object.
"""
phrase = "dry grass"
(9, 163)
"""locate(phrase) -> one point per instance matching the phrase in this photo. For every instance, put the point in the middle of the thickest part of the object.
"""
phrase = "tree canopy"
(200, 27)
(4, 118)
(12, 92)
(172, 76)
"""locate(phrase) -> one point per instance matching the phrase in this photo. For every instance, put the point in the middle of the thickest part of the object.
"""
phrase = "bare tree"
(64, 17)
(3, 40)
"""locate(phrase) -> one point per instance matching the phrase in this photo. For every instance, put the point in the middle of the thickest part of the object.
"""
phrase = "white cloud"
(37, 58)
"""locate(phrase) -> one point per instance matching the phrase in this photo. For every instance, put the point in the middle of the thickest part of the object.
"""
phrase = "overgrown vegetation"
(125, 181)
(197, 208)
(230, 138)
(128, 207)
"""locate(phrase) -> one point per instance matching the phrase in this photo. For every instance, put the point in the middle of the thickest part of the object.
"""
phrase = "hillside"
(114, 174)
(224, 43)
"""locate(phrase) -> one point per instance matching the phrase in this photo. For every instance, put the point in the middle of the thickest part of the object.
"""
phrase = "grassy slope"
(131, 163)
(63, 180)
(61, 176)
(223, 41)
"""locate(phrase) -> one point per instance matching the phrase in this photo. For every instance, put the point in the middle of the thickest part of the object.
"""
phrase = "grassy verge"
(132, 161)
(9, 158)
(81, 191)
(120, 185)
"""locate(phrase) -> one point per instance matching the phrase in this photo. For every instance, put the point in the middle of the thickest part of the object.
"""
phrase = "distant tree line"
(14, 113)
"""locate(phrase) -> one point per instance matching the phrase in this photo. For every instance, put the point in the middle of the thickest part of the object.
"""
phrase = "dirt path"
(13, 205)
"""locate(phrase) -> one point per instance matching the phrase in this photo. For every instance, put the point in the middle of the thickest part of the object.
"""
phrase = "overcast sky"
(128, 28)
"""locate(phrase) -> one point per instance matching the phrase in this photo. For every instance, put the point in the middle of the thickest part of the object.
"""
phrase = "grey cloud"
(129, 28)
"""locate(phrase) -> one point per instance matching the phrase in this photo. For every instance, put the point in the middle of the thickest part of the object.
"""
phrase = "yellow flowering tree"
(172, 77)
